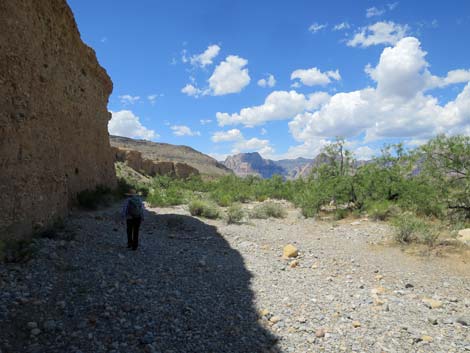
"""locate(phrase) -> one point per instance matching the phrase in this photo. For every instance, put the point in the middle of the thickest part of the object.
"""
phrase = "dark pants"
(133, 233)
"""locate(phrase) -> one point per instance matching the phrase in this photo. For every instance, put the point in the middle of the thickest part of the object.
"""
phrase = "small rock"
(356, 324)
(426, 338)
(293, 263)
(275, 319)
(355, 223)
(465, 321)
(432, 320)
(35, 331)
(290, 251)
(320, 333)
(432, 303)
(379, 277)
(32, 325)
(409, 285)
(263, 312)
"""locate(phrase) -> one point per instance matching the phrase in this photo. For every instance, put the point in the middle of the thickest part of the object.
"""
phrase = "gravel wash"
(198, 285)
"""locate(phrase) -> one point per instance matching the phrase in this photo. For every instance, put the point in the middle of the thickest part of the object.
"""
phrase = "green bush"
(204, 209)
(408, 227)
(430, 234)
(267, 210)
(166, 197)
(382, 210)
(341, 214)
(235, 214)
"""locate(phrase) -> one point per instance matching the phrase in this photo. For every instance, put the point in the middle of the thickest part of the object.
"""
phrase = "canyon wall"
(54, 140)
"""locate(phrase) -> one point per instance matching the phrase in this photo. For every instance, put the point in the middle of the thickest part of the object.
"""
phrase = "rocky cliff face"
(148, 167)
(164, 152)
(53, 117)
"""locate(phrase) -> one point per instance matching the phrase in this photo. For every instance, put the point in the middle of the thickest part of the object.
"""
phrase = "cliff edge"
(53, 119)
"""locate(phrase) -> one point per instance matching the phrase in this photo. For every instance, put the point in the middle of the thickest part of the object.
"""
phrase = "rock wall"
(54, 140)
(135, 160)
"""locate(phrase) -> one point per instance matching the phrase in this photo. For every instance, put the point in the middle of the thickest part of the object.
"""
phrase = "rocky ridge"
(149, 167)
(164, 152)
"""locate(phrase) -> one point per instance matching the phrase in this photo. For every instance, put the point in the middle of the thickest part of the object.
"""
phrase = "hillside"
(156, 151)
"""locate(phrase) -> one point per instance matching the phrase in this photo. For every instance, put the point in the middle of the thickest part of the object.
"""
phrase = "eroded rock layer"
(53, 116)
(135, 161)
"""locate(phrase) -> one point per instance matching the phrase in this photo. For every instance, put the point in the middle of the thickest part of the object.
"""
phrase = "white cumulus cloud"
(125, 123)
(269, 81)
(205, 58)
(313, 76)
(230, 135)
(192, 90)
(379, 33)
(278, 105)
(398, 107)
(230, 76)
(183, 130)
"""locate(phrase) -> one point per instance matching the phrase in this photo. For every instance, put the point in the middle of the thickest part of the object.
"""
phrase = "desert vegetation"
(419, 190)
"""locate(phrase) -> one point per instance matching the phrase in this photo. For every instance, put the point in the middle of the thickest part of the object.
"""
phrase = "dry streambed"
(204, 286)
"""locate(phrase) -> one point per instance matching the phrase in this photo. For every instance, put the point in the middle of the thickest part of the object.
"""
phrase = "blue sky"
(282, 77)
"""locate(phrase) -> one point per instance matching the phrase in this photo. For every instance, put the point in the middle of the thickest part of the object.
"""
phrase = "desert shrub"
(429, 234)
(341, 214)
(91, 199)
(267, 210)
(408, 227)
(204, 209)
(235, 214)
(382, 210)
(171, 196)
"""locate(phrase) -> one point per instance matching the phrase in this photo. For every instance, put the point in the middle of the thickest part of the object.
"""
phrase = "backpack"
(134, 207)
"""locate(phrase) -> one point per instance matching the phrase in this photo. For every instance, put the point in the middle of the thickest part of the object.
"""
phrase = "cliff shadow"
(204, 299)
(184, 290)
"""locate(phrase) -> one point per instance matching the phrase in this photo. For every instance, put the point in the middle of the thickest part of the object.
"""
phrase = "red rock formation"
(54, 140)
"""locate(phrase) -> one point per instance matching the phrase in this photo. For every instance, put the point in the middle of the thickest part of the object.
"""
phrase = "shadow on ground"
(184, 290)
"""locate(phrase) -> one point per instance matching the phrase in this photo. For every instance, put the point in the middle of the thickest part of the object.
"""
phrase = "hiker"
(133, 212)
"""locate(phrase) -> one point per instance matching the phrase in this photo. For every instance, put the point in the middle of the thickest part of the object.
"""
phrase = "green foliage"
(407, 227)
(341, 213)
(91, 199)
(171, 196)
(235, 214)
(204, 209)
(267, 210)
(382, 210)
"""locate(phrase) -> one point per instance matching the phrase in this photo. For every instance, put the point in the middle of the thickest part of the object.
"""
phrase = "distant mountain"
(244, 164)
(156, 151)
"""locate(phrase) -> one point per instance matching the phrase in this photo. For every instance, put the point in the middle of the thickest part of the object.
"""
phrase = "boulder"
(464, 236)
